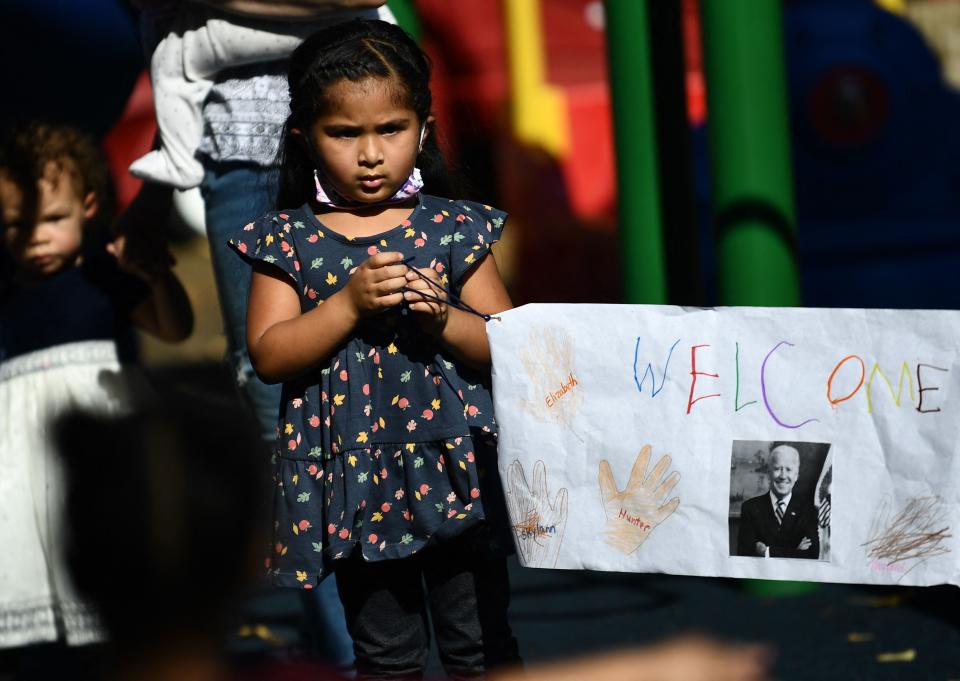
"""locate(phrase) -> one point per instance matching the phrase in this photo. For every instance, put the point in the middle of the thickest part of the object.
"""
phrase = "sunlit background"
(627, 156)
(524, 103)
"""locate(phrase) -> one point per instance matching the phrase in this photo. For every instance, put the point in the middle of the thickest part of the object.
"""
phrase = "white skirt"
(37, 601)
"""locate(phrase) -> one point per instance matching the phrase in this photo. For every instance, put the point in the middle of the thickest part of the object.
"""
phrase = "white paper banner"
(661, 439)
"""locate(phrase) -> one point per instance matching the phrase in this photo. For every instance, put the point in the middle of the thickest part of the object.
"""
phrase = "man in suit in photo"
(779, 524)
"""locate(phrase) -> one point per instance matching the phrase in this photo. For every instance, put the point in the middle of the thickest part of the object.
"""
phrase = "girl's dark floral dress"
(383, 447)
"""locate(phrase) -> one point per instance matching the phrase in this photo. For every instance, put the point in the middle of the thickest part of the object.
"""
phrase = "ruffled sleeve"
(478, 227)
(270, 239)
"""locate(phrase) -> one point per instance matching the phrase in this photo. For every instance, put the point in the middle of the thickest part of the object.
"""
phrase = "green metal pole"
(407, 17)
(750, 162)
(631, 92)
(750, 151)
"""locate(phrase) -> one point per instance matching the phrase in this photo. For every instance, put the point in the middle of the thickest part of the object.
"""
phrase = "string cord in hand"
(452, 298)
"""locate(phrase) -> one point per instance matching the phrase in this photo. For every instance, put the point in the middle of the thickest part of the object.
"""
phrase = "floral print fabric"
(379, 448)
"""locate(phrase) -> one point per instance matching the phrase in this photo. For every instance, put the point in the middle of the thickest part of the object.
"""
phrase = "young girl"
(66, 307)
(368, 301)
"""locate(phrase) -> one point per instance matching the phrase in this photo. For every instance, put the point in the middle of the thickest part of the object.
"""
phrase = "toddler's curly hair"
(30, 150)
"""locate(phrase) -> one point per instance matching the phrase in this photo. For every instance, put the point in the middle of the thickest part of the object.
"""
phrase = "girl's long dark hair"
(355, 50)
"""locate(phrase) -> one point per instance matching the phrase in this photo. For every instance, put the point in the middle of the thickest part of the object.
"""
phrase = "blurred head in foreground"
(165, 507)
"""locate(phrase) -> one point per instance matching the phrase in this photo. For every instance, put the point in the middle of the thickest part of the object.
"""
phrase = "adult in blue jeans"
(243, 117)
(233, 192)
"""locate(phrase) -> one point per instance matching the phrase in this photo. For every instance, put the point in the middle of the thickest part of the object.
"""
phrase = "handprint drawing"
(633, 513)
(548, 362)
(537, 523)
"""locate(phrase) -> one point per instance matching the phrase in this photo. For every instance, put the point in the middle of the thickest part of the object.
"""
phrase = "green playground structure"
(749, 142)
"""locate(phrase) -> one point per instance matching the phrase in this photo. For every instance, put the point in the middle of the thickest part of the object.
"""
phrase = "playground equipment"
(750, 152)
(864, 137)
(638, 186)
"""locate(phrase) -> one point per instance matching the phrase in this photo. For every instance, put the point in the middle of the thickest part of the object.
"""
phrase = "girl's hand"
(375, 285)
(431, 313)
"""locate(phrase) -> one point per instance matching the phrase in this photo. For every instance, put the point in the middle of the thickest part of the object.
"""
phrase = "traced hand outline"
(538, 524)
(548, 362)
(634, 513)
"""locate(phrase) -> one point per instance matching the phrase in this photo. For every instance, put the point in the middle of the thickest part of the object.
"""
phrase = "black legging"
(466, 588)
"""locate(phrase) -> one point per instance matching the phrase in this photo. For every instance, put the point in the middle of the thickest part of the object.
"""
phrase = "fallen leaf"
(858, 637)
(908, 655)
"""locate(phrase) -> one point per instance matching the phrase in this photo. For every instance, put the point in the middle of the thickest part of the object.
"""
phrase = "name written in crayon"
(554, 397)
(633, 520)
(536, 531)
(880, 566)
